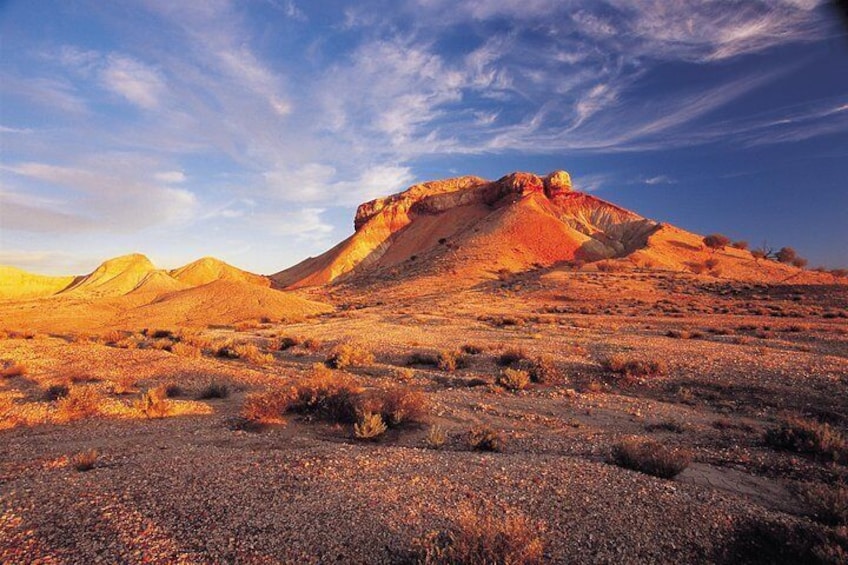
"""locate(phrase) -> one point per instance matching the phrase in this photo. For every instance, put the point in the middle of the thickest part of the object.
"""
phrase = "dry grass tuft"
(349, 355)
(649, 457)
(81, 402)
(154, 403)
(630, 367)
(186, 350)
(12, 369)
(436, 437)
(449, 361)
(84, 460)
(482, 438)
(473, 348)
(125, 384)
(484, 537)
(369, 427)
(808, 436)
(544, 370)
(513, 379)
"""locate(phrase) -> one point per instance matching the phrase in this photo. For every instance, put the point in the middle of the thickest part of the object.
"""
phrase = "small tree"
(739, 245)
(716, 241)
(786, 255)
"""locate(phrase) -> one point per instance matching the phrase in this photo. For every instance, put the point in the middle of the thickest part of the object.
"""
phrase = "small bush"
(450, 361)
(473, 349)
(628, 367)
(436, 437)
(513, 379)
(266, 407)
(349, 355)
(716, 241)
(12, 369)
(55, 392)
(186, 350)
(483, 537)
(85, 460)
(81, 402)
(399, 406)
(649, 457)
(482, 438)
(214, 390)
(312, 344)
(287, 343)
(741, 244)
(153, 403)
(610, 267)
(544, 370)
(829, 503)
(369, 427)
(512, 357)
(712, 263)
(808, 436)
(80, 378)
(332, 396)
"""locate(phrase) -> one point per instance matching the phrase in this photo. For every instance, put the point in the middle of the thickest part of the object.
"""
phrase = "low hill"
(18, 284)
(208, 269)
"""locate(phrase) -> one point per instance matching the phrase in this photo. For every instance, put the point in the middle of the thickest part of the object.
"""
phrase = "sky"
(250, 130)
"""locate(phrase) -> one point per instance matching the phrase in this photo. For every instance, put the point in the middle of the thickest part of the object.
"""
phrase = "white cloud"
(659, 179)
(170, 177)
(138, 83)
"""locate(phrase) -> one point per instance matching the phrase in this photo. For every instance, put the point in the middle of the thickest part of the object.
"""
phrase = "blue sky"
(250, 130)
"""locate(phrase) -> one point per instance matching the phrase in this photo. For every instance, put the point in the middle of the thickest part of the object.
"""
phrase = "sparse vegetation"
(484, 537)
(154, 403)
(473, 348)
(543, 370)
(513, 379)
(716, 241)
(55, 392)
(399, 406)
(349, 355)
(369, 427)
(512, 357)
(11, 369)
(829, 503)
(483, 438)
(449, 361)
(810, 437)
(81, 402)
(436, 437)
(630, 367)
(266, 407)
(649, 457)
(85, 460)
(328, 395)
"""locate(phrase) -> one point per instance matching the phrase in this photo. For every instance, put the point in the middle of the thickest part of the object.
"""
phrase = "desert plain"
(485, 372)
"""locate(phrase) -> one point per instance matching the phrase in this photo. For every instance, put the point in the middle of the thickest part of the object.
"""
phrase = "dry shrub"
(829, 503)
(449, 361)
(609, 267)
(12, 369)
(173, 390)
(369, 427)
(185, 350)
(544, 370)
(214, 390)
(84, 460)
(113, 337)
(484, 537)
(251, 354)
(629, 367)
(349, 355)
(325, 394)
(482, 438)
(312, 344)
(154, 403)
(266, 407)
(513, 379)
(697, 268)
(125, 384)
(808, 436)
(55, 392)
(404, 374)
(473, 348)
(712, 263)
(399, 406)
(80, 378)
(287, 342)
(162, 344)
(512, 357)
(81, 402)
(649, 457)
(436, 437)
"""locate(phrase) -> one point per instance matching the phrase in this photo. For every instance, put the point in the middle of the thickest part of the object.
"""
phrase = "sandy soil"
(194, 488)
